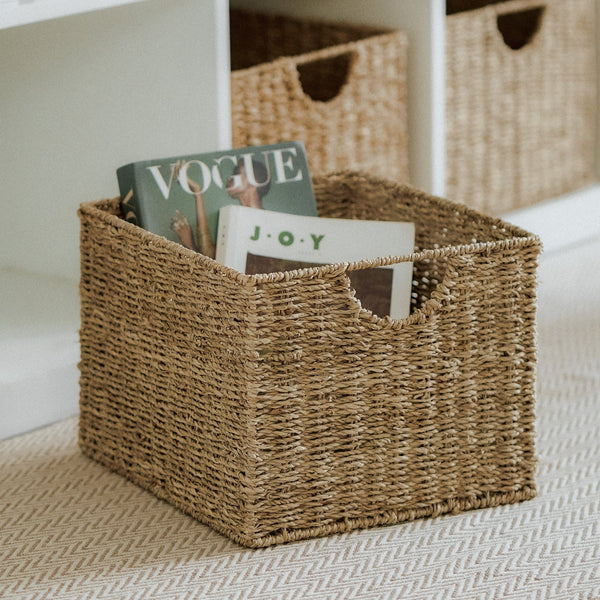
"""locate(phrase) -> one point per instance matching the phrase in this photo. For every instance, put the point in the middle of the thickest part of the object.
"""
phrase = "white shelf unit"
(87, 85)
(560, 222)
(39, 350)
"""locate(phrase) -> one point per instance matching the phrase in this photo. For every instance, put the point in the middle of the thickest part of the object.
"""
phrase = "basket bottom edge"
(389, 517)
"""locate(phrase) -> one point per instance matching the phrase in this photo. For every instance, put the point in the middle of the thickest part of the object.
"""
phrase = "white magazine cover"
(256, 241)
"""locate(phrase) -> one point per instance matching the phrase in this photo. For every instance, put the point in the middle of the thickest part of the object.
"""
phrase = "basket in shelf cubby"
(339, 88)
(274, 407)
(521, 100)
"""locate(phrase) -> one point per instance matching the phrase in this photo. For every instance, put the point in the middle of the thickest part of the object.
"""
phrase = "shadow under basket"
(274, 408)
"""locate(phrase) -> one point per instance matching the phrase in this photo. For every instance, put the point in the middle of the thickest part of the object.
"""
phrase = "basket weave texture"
(520, 122)
(274, 408)
(339, 88)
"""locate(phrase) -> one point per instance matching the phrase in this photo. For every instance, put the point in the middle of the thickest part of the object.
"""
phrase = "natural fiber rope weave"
(274, 408)
(520, 123)
(341, 89)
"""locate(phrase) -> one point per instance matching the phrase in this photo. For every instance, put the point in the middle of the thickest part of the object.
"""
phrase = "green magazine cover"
(180, 197)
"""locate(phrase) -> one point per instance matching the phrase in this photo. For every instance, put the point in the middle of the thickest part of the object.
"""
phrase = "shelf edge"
(562, 222)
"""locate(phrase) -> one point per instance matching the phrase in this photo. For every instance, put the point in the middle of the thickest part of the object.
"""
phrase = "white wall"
(598, 82)
(81, 95)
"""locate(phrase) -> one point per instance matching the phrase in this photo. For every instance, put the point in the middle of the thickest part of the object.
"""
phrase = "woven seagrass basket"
(521, 100)
(341, 89)
(274, 408)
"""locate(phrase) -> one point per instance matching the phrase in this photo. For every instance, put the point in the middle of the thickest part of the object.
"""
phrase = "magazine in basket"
(257, 241)
(180, 197)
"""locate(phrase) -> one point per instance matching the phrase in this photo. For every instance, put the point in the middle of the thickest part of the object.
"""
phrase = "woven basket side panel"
(257, 37)
(166, 364)
(520, 123)
(438, 223)
(363, 126)
(364, 422)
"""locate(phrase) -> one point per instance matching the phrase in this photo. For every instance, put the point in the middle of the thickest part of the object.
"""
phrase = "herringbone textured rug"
(69, 529)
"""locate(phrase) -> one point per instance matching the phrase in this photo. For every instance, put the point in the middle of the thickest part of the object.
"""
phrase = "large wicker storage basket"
(521, 101)
(274, 408)
(339, 88)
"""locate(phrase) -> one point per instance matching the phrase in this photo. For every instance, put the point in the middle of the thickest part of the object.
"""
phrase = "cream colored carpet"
(69, 529)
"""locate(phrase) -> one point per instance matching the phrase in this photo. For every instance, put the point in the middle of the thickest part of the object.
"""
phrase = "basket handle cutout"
(423, 311)
(369, 286)
(518, 29)
(323, 79)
